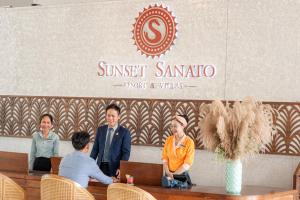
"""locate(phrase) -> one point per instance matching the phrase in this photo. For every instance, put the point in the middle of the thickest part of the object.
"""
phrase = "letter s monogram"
(157, 34)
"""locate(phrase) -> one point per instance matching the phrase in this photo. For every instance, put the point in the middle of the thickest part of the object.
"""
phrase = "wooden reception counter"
(31, 183)
(147, 176)
(209, 193)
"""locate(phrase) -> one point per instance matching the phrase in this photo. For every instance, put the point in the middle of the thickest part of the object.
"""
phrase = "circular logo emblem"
(154, 30)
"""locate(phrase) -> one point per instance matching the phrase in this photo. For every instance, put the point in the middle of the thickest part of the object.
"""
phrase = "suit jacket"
(119, 148)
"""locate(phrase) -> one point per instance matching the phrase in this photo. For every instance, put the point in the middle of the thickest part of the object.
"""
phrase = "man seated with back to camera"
(78, 166)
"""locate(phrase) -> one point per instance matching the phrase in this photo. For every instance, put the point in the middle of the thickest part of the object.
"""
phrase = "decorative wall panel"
(147, 119)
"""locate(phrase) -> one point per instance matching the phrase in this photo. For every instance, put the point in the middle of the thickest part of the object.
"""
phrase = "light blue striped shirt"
(43, 147)
(80, 167)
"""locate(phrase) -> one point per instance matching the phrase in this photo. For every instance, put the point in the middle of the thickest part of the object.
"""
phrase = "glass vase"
(233, 176)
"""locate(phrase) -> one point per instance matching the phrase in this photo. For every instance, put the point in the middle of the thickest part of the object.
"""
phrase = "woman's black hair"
(80, 140)
(46, 115)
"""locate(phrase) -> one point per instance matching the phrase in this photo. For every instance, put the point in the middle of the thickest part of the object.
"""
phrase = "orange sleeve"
(190, 154)
(165, 151)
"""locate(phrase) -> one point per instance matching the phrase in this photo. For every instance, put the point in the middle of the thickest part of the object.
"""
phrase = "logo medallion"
(154, 31)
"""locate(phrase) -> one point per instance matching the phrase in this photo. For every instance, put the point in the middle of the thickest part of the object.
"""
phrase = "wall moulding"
(147, 119)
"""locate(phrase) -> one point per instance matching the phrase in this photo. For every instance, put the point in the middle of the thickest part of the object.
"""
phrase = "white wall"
(59, 2)
(47, 50)
(16, 3)
(255, 46)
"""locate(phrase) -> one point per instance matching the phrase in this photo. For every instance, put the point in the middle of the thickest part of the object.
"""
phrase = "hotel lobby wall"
(54, 51)
(59, 2)
(6, 3)
(267, 170)
(254, 45)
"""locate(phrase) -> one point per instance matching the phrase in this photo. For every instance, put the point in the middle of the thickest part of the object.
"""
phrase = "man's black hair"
(113, 106)
(80, 140)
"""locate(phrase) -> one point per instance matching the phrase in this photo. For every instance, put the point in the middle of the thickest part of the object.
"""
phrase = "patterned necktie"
(107, 144)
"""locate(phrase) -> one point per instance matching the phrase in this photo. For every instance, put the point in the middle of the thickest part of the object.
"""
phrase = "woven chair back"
(54, 187)
(121, 191)
(10, 190)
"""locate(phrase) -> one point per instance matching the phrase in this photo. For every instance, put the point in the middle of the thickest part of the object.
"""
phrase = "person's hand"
(118, 173)
(170, 174)
(115, 180)
(93, 180)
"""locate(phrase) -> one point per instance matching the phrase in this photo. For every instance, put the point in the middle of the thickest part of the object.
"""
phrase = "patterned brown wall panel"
(287, 121)
(147, 119)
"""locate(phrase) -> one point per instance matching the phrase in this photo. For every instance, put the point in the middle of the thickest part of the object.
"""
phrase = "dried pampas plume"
(245, 128)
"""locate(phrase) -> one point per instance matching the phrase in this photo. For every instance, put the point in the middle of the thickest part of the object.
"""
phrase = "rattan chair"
(54, 187)
(10, 190)
(121, 191)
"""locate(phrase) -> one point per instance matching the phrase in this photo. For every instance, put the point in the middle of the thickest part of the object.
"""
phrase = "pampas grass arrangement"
(238, 131)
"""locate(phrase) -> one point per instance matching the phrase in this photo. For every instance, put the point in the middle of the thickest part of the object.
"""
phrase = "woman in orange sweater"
(179, 150)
